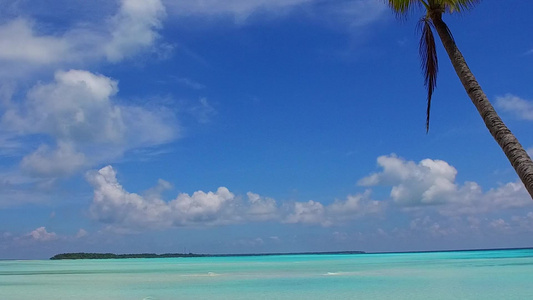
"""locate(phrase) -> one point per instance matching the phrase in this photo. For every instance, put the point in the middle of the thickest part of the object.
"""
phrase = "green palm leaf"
(515, 152)
(427, 48)
(449, 6)
(429, 61)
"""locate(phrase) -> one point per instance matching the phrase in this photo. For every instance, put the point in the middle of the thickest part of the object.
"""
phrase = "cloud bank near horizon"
(428, 188)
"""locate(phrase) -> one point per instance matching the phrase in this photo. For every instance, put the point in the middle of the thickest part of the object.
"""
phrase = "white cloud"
(123, 210)
(509, 195)
(155, 192)
(21, 43)
(310, 212)
(81, 233)
(61, 161)
(470, 199)
(40, 234)
(79, 112)
(210, 207)
(261, 208)
(428, 182)
(354, 13)
(355, 206)
(521, 108)
(456, 208)
(114, 205)
(134, 28)
(433, 182)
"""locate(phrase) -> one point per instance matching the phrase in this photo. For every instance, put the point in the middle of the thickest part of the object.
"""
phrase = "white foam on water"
(208, 274)
(332, 274)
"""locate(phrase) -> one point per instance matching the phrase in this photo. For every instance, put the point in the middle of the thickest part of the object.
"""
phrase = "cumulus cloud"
(40, 234)
(79, 112)
(114, 205)
(133, 29)
(339, 211)
(428, 182)
(60, 161)
(261, 208)
(519, 107)
(470, 199)
(210, 207)
(355, 205)
(432, 182)
(310, 212)
(20, 42)
(75, 121)
(155, 192)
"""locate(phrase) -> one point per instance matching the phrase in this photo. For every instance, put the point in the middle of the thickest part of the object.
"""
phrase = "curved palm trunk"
(511, 147)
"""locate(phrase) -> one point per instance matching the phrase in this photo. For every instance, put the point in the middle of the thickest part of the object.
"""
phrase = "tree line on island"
(83, 255)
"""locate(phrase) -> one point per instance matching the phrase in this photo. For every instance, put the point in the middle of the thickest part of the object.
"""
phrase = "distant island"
(83, 255)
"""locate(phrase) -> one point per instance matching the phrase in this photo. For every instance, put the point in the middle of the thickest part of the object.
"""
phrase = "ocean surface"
(497, 274)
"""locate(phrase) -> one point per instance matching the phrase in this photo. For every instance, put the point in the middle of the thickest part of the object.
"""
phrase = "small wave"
(208, 274)
(332, 274)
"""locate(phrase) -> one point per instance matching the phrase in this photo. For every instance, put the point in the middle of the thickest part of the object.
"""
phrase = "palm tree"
(514, 151)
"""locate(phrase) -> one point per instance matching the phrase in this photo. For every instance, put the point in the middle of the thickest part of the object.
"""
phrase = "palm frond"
(427, 48)
(401, 7)
(452, 6)
(428, 61)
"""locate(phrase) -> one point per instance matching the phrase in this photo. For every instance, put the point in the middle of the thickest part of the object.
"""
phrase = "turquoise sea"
(496, 274)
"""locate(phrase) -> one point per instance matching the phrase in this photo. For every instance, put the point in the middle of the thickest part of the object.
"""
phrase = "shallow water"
(502, 274)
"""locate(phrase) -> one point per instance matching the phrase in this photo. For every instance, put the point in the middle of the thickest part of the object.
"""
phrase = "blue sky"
(254, 126)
